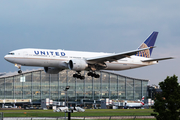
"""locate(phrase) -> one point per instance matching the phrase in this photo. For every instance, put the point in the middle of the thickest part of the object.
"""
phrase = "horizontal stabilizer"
(158, 59)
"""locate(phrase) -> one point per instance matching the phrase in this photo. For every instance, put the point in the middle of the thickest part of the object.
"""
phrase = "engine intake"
(77, 64)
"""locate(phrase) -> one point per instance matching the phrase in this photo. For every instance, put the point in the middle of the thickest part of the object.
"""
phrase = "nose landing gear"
(19, 71)
(19, 67)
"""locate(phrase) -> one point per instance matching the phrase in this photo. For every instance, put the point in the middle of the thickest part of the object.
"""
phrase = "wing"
(115, 57)
(158, 59)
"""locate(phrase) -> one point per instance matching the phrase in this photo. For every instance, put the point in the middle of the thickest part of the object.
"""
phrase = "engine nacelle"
(77, 64)
(52, 70)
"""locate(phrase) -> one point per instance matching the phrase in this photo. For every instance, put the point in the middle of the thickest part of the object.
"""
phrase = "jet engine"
(52, 70)
(77, 64)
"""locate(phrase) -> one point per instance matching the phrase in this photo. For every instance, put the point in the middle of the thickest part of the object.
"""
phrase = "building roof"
(12, 74)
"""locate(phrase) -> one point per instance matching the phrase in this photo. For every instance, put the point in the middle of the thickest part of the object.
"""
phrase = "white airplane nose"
(6, 58)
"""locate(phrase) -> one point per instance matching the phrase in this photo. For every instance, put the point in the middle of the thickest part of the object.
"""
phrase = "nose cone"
(7, 58)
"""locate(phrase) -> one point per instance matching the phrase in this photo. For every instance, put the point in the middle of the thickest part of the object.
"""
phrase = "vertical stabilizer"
(142, 100)
(150, 41)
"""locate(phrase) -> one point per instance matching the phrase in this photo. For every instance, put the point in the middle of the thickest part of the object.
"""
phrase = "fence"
(82, 118)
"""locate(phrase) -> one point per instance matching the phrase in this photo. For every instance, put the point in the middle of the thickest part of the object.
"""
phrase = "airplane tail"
(142, 100)
(150, 41)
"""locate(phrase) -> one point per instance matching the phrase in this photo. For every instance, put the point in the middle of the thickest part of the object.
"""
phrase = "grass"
(88, 112)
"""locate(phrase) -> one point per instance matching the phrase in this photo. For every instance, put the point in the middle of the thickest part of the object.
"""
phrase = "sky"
(91, 25)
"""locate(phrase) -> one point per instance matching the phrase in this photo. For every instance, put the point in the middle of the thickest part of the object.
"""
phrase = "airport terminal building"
(37, 85)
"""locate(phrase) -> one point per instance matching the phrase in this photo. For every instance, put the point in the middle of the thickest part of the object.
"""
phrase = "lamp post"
(66, 89)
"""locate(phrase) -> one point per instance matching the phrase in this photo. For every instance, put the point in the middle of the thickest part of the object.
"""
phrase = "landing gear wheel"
(82, 77)
(97, 76)
(93, 74)
(75, 75)
(78, 76)
(89, 73)
(19, 67)
(19, 71)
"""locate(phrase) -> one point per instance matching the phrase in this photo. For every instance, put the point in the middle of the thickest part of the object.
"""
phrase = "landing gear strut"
(93, 74)
(78, 76)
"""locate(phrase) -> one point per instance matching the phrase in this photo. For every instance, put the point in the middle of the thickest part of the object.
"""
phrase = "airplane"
(65, 109)
(62, 109)
(78, 109)
(55, 61)
(134, 105)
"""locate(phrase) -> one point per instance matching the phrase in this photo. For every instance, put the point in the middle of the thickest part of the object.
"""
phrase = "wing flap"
(158, 59)
(115, 57)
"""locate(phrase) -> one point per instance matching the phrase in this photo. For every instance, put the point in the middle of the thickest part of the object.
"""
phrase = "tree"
(167, 103)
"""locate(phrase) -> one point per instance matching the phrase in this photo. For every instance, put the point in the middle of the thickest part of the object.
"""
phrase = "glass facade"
(37, 85)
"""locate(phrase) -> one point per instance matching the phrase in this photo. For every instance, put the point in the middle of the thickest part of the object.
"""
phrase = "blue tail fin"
(150, 41)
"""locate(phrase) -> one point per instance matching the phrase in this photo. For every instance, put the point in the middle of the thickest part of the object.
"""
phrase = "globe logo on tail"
(145, 53)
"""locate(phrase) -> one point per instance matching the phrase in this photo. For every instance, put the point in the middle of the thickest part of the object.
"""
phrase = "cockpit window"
(10, 53)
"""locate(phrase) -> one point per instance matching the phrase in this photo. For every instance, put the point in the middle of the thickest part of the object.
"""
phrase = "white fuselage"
(60, 58)
(134, 105)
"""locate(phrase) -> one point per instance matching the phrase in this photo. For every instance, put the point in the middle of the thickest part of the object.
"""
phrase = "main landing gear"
(93, 74)
(78, 76)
